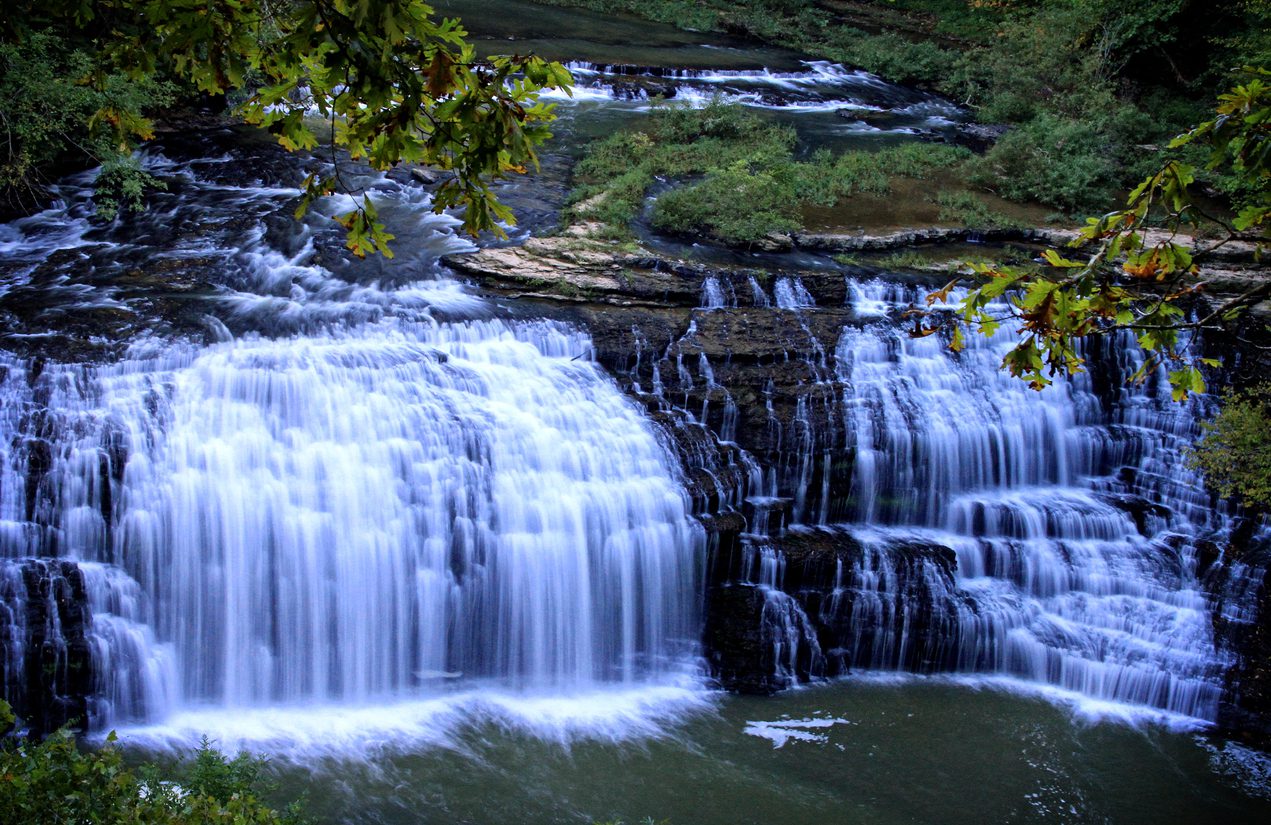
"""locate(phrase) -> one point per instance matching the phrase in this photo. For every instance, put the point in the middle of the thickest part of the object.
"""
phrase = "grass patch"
(965, 209)
(740, 181)
(906, 259)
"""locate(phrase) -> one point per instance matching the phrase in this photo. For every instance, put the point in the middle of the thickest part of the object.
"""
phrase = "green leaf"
(1184, 381)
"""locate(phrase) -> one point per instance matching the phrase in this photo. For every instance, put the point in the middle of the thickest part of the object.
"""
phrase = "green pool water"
(914, 751)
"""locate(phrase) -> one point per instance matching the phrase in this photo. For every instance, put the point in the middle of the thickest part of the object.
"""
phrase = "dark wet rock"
(927, 236)
(44, 612)
(424, 175)
(629, 91)
(1137, 508)
(77, 306)
(1243, 578)
(738, 652)
(979, 137)
(845, 605)
(886, 119)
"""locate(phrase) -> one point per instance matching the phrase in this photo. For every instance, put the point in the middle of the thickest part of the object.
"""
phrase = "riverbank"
(1079, 125)
(584, 264)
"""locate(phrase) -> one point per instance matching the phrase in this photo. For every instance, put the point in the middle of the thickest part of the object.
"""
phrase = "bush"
(1235, 453)
(48, 108)
(749, 184)
(1066, 164)
(1121, 71)
(896, 58)
(54, 781)
(676, 142)
(122, 185)
(738, 205)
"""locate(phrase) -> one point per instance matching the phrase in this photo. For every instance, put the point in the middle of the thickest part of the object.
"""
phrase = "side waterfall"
(942, 517)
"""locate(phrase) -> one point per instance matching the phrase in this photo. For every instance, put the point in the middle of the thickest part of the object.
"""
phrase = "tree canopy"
(1141, 261)
(381, 79)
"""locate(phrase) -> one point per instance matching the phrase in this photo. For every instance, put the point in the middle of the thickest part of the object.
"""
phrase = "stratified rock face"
(740, 649)
(822, 603)
(746, 368)
(1251, 688)
(1238, 573)
(44, 625)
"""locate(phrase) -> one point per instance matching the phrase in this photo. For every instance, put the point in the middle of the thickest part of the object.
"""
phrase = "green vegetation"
(55, 781)
(743, 182)
(738, 204)
(965, 209)
(391, 84)
(1084, 84)
(1141, 261)
(1235, 453)
(48, 113)
(676, 142)
(906, 259)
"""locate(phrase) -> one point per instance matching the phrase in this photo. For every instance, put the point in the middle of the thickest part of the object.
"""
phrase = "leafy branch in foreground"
(391, 83)
(1141, 264)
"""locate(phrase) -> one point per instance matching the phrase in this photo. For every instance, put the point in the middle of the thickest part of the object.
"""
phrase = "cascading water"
(356, 491)
(995, 529)
(821, 87)
(384, 506)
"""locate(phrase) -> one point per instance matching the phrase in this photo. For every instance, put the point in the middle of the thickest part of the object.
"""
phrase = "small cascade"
(824, 97)
(75, 648)
(784, 625)
(758, 297)
(820, 87)
(790, 293)
(713, 294)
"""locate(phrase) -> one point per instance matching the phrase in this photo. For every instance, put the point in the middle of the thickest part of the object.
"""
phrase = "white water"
(822, 88)
(383, 511)
(1050, 579)
(349, 512)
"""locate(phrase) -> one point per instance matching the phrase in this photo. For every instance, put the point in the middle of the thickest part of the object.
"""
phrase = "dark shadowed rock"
(740, 656)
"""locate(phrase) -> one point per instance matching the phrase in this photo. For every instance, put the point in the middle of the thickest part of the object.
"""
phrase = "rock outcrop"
(44, 623)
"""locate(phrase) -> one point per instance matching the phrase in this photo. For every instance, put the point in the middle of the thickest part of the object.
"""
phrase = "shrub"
(747, 185)
(889, 55)
(1061, 163)
(738, 205)
(47, 110)
(55, 781)
(1235, 453)
(122, 185)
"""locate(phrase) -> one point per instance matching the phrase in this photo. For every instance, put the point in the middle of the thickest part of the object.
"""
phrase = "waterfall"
(333, 487)
(790, 293)
(356, 504)
(820, 87)
(348, 516)
(993, 529)
(713, 294)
